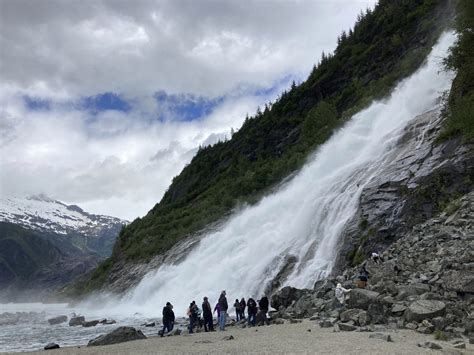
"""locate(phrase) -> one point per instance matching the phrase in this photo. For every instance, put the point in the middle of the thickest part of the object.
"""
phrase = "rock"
(424, 309)
(228, 337)
(152, 324)
(350, 314)
(345, 327)
(471, 340)
(361, 298)
(377, 313)
(175, 332)
(439, 322)
(327, 323)
(91, 323)
(459, 344)
(294, 321)
(109, 321)
(384, 337)
(57, 320)
(76, 321)
(469, 326)
(411, 326)
(286, 296)
(119, 335)
(398, 309)
(431, 296)
(52, 345)
(363, 318)
(430, 345)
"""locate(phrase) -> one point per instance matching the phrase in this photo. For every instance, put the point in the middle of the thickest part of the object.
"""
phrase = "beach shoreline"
(306, 337)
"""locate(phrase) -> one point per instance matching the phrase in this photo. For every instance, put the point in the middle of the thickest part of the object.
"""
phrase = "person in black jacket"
(168, 318)
(207, 314)
(243, 305)
(263, 305)
(223, 307)
(252, 311)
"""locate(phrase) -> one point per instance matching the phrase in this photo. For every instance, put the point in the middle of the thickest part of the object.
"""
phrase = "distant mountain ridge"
(45, 244)
(88, 232)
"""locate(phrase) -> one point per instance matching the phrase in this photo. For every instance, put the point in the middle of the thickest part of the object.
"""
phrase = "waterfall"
(305, 217)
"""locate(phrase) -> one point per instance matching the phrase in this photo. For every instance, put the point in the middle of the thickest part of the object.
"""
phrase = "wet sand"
(301, 338)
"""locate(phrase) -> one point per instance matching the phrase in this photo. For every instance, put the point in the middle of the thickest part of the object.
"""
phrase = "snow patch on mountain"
(43, 213)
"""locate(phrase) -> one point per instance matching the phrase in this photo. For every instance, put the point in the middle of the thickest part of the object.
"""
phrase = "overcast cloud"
(235, 55)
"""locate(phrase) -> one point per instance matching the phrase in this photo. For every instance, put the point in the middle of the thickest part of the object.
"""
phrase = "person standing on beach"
(243, 304)
(190, 314)
(207, 314)
(223, 308)
(252, 311)
(263, 305)
(168, 317)
(237, 310)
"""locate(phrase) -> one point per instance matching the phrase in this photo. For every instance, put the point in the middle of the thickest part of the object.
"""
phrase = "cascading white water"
(305, 217)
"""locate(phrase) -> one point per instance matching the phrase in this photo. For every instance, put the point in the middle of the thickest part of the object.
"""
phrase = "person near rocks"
(207, 314)
(168, 317)
(376, 258)
(340, 293)
(217, 309)
(363, 277)
(243, 305)
(252, 311)
(197, 315)
(223, 310)
(263, 306)
(237, 310)
(192, 317)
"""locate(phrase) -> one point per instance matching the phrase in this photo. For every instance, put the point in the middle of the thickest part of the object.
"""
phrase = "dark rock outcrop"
(76, 321)
(51, 346)
(424, 309)
(57, 320)
(119, 335)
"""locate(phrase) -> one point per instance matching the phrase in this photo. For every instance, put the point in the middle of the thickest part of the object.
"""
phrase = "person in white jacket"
(341, 294)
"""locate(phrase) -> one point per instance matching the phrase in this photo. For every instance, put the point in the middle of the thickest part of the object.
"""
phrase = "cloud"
(102, 103)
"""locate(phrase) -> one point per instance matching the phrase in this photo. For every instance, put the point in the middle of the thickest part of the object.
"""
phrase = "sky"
(102, 103)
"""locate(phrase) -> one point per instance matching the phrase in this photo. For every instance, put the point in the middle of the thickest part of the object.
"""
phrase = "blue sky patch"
(36, 104)
(103, 102)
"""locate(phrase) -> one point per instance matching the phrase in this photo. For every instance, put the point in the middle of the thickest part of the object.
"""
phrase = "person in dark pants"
(190, 314)
(172, 318)
(223, 308)
(207, 314)
(263, 305)
(237, 310)
(168, 318)
(252, 311)
(243, 304)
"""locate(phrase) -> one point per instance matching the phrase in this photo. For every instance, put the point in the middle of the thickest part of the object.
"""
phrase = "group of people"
(199, 317)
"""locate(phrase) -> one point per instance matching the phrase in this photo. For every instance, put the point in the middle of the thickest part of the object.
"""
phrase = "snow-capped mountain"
(42, 213)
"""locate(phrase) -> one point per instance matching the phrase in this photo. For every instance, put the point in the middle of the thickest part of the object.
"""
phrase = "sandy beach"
(306, 338)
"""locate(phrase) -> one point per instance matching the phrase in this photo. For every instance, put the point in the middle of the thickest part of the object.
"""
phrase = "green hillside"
(384, 46)
(23, 252)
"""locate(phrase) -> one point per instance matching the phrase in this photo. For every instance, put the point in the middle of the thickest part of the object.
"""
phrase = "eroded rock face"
(286, 296)
(119, 335)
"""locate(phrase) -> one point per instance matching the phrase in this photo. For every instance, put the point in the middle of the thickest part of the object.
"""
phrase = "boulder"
(361, 298)
(459, 344)
(228, 337)
(430, 345)
(350, 314)
(326, 323)
(345, 327)
(286, 296)
(91, 323)
(76, 321)
(377, 313)
(424, 309)
(459, 281)
(398, 309)
(384, 337)
(57, 320)
(119, 335)
(51, 346)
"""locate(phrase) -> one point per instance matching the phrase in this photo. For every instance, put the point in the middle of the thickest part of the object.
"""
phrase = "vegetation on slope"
(460, 108)
(385, 45)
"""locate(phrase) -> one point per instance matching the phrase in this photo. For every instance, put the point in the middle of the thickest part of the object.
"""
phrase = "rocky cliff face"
(419, 181)
(425, 282)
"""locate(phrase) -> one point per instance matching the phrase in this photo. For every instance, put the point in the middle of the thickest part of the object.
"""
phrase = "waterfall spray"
(305, 218)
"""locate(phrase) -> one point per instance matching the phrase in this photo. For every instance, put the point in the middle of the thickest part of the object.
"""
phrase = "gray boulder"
(119, 335)
(350, 314)
(76, 321)
(286, 296)
(424, 309)
(430, 345)
(57, 320)
(361, 298)
(51, 346)
(91, 323)
(345, 327)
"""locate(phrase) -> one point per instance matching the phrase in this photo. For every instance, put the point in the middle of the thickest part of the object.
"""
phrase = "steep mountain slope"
(45, 244)
(68, 227)
(386, 45)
